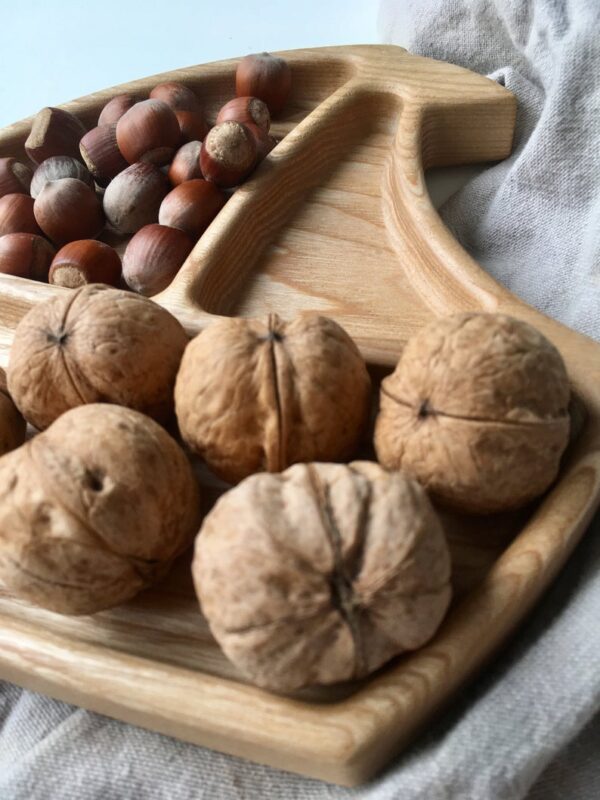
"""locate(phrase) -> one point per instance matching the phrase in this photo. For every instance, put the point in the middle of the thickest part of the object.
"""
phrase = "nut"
(101, 154)
(186, 164)
(74, 536)
(115, 108)
(321, 574)
(247, 110)
(17, 214)
(12, 424)
(264, 76)
(133, 198)
(228, 154)
(67, 210)
(56, 168)
(95, 344)
(254, 395)
(54, 132)
(192, 125)
(192, 206)
(264, 142)
(476, 410)
(149, 131)
(15, 177)
(177, 96)
(26, 255)
(85, 261)
(153, 257)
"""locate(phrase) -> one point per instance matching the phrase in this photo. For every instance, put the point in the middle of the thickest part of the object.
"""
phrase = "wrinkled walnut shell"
(93, 510)
(95, 344)
(476, 410)
(12, 424)
(322, 573)
(254, 395)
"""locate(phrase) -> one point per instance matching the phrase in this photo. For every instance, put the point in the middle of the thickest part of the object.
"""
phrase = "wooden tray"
(338, 220)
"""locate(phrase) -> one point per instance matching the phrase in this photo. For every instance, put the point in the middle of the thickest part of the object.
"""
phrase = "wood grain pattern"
(337, 219)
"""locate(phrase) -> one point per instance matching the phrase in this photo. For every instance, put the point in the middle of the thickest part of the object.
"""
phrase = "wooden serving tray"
(337, 219)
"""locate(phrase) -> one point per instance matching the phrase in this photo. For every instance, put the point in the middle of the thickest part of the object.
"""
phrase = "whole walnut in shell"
(12, 424)
(476, 410)
(95, 344)
(94, 509)
(321, 573)
(254, 395)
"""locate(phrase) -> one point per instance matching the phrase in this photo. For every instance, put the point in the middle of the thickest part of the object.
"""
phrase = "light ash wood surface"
(337, 219)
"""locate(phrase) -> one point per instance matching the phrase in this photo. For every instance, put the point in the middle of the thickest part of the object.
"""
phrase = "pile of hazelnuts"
(152, 168)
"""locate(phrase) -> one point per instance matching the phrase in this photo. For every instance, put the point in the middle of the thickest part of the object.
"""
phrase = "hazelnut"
(95, 344)
(17, 214)
(15, 177)
(101, 154)
(476, 410)
(228, 154)
(133, 198)
(115, 108)
(322, 573)
(149, 131)
(12, 424)
(56, 168)
(186, 164)
(54, 132)
(192, 206)
(93, 510)
(264, 76)
(153, 257)
(177, 96)
(247, 110)
(85, 261)
(264, 141)
(26, 255)
(254, 395)
(67, 210)
(192, 125)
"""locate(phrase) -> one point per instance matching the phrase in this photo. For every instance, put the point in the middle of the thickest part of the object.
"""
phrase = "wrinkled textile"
(525, 728)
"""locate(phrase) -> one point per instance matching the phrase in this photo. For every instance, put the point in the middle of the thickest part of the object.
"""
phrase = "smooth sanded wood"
(337, 219)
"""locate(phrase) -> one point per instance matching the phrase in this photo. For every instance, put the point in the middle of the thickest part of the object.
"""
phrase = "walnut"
(255, 395)
(476, 410)
(12, 424)
(94, 509)
(95, 344)
(321, 573)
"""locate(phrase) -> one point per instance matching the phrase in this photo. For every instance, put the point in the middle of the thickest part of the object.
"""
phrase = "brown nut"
(115, 108)
(54, 132)
(15, 177)
(133, 198)
(55, 169)
(17, 214)
(192, 206)
(476, 410)
(26, 255)
(67, 210)
(254, 395)
(74, 536)
(153, 257)
(186, 164)
(264, 141)
(149, 131)
(192, 125)
(12, 424)
(264, 76)
(228, 154)
(177, 96)
(95, 344)
(247, 110)
(321, 574)
(101, 154)
(85, 261)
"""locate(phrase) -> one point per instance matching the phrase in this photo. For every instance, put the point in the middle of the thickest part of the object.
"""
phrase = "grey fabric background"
(526, 727)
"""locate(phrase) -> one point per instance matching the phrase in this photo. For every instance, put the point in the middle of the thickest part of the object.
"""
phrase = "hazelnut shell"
(154, 255)
(67, 210)
(26, 255)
